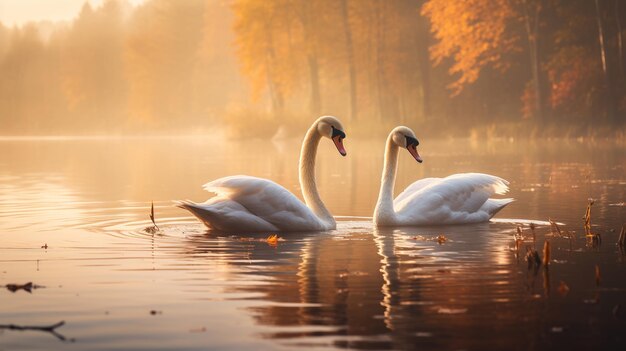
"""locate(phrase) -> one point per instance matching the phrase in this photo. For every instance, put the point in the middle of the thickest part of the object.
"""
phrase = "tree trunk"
(620, 42)
(380, 70)
(274, 92)
(424, 66)
(350, 57)
(532, 32)
(611, 108)
(316, 100)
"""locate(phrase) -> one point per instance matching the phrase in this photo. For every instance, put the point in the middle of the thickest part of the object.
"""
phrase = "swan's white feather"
(244, 203)
(459, 198)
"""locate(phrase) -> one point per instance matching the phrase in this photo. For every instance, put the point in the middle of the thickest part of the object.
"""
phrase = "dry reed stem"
(546, 253)
(152, 215)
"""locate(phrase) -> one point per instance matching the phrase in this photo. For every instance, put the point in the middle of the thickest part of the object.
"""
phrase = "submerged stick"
(46, 328)
(152, 216)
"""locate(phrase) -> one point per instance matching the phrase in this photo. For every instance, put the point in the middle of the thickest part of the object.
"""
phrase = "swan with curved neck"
(244, 203)
(456, 199)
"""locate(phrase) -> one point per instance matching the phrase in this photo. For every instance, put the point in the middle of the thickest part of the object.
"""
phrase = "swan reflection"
(365, 287)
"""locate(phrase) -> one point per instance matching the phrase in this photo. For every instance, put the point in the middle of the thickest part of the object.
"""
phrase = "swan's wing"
(460, 198)
(265, 199)
(414, 188)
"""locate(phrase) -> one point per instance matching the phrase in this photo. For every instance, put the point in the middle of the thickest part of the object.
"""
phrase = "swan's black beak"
(338, 140)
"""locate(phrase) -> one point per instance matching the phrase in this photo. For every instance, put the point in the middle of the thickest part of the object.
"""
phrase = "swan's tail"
(493, 206)
(201, 212)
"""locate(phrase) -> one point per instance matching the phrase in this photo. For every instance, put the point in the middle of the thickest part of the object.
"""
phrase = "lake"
(74, 213)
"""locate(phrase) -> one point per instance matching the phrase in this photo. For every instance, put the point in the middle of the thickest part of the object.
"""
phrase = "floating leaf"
(441, 239)
(272, 239)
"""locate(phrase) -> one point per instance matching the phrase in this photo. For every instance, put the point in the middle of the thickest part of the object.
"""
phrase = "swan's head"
(405, 138)
(330, 127)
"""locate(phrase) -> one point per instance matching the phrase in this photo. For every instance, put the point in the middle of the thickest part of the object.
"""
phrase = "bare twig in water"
(555, 231)
(152, 216)
(598, 277)
(532, 229)
(622, 237)
(519, 239)
(593, 239)
(28, 287)
(532, 257)
(155, 228)
(46, 328)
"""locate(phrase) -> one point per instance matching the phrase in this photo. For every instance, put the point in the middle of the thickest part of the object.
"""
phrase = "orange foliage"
(474, 33)
(572, 75)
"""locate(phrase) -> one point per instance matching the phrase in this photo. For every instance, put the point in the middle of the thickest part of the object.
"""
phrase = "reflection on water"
(355, 287)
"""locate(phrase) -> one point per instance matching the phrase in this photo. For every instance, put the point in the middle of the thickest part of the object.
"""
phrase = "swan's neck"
(307, 177)
(384, 212)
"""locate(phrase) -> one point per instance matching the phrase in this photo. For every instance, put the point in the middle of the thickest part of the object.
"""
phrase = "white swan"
(244, 203)
(456, 199)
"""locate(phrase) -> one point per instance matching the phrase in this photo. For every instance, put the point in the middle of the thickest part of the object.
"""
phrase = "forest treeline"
(502, 67)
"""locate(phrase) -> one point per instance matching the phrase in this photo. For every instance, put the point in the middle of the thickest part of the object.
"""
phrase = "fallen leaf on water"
(272, 240)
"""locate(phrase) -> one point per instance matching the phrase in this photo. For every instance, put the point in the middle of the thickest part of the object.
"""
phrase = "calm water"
(117, 286)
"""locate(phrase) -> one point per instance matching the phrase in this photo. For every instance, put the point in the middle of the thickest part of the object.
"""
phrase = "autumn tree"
(474, 34)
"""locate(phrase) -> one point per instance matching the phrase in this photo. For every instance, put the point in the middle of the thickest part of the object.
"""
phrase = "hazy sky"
(22, 11)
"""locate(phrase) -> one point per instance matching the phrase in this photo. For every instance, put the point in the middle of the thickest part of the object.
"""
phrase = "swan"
(456, 199)
(251, 204)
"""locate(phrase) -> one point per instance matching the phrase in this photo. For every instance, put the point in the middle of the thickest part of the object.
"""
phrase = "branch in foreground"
(48, 328)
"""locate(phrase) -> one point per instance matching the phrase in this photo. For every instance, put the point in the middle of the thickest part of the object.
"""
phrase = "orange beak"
(413, 151)
(339, 145)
